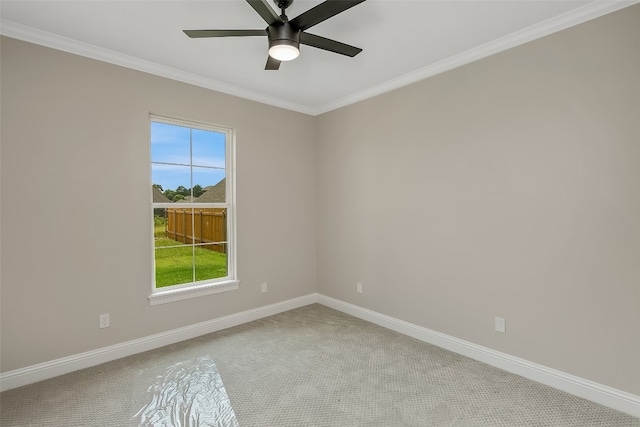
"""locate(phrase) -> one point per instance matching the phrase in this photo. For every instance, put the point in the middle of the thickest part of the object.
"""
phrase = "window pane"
(170, 143)
(210, 225)
(212, 182)
(172, 227)
(174, 266)
(211, 228)
(175, 182)
(211, 261)
(208, 148)
(178, 229)
(160, 226)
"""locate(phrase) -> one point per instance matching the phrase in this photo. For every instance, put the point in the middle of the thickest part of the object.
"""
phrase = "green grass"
(174, 266)
(159, 226)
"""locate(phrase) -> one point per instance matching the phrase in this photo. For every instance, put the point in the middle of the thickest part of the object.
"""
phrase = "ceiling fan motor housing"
(283, 34)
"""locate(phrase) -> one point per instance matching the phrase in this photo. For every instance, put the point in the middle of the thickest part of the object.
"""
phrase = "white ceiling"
(402, 41)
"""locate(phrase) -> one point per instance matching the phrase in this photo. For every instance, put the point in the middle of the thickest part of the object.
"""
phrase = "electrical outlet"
(104, 320)
(501, 325)
(264, 287)
(359, 287)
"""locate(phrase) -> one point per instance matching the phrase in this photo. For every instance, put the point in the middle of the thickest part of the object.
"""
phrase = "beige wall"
(509, 187)
(76, 223)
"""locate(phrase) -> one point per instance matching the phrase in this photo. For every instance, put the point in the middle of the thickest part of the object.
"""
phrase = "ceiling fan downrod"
(283, 5)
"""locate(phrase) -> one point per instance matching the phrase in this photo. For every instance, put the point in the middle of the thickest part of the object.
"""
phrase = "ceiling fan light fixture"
(284, 42)
(283, 50)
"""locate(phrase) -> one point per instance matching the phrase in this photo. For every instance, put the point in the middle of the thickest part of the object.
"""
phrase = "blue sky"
(178, 149)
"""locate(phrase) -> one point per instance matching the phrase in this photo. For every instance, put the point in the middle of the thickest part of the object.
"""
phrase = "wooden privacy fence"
(198, 225)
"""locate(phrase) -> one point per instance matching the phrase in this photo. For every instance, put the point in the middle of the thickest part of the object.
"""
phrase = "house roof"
(187, 199)
(158, 197)
(214, 193)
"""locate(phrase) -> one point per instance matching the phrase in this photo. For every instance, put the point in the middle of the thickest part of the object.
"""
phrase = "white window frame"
(212, 286)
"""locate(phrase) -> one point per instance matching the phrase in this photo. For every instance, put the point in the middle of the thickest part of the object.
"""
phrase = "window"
(192, 184)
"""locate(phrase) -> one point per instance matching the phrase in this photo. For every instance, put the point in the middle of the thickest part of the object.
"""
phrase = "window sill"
(164, 296)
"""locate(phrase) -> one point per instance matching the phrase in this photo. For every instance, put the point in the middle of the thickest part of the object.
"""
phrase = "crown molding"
(65, 44)
(577, 16)
(569, 19)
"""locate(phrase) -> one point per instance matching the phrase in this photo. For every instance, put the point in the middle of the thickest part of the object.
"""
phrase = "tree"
(178, 197)
(184, 191)
(197, 190)
(170, 194)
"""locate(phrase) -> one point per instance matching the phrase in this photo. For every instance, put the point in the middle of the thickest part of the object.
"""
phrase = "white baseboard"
(53, 368)
(604, 395)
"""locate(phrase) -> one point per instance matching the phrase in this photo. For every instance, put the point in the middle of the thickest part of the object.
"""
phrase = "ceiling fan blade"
(195, 34)
(321, 12)
(328, 44)
(272, 64)
(264, 10)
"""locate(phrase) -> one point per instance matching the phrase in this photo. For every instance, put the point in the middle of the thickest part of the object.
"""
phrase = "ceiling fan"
(284, 35)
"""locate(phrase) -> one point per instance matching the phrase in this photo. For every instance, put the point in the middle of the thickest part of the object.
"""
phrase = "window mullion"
(193, 211)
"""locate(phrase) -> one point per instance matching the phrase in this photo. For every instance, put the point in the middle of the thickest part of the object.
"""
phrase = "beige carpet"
(308, 367)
